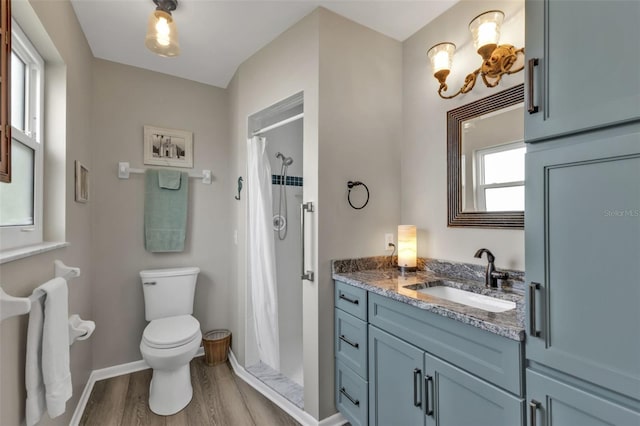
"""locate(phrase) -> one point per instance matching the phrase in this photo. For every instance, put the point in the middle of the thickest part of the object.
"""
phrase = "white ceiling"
(216, 36)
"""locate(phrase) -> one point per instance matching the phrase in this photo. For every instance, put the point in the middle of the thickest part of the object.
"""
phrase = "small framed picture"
(168, 147)
(82, 183)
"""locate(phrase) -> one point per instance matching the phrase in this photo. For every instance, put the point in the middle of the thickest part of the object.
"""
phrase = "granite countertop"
(388, 282)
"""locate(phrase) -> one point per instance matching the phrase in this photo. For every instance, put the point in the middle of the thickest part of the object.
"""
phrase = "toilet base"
(170, 391)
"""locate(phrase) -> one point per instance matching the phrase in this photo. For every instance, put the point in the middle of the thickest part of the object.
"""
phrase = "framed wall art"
(168, 147)
(82, 183)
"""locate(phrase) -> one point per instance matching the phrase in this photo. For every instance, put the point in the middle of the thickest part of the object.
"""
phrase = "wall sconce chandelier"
(162, 34)
(497, 60)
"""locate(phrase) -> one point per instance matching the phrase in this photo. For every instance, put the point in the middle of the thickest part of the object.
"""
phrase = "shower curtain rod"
(278, 124)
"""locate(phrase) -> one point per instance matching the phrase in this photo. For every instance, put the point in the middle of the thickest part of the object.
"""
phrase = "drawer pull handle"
(417, 402)
(533, 62)
(428, 384)
(353, 401)
(150, 283)
(354, 301)
(532, 309)
(533, 408)
(349, 342)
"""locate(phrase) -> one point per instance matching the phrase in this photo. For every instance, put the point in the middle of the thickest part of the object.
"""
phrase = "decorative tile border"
(291, 180)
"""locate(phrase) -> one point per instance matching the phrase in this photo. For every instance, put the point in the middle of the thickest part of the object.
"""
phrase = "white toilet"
(172, 338)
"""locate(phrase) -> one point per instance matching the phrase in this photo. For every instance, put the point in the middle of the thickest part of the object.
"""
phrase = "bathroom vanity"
(406, 357)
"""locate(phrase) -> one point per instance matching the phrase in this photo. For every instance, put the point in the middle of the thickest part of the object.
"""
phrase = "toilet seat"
(171, 332)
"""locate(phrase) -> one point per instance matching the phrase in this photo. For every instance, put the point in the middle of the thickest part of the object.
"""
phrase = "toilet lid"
(165, 333)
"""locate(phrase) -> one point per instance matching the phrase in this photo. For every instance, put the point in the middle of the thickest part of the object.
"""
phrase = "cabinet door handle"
(533, 408)
(533, 62)
(349, 397)
(417, 373)
(428, 384)
(349, 342)
(533, 287)
(354, 301)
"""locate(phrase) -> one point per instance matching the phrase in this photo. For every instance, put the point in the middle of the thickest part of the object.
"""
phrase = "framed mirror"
(485, 162)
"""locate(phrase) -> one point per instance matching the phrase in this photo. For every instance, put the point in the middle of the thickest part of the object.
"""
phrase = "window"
(5, 51)
(500, 177)
(21, 199)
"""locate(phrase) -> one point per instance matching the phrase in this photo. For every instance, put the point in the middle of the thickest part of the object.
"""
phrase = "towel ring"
(350, 185)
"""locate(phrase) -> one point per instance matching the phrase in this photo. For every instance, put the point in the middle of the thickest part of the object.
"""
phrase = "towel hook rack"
(124, 170)
(237, 197)
(11, 306)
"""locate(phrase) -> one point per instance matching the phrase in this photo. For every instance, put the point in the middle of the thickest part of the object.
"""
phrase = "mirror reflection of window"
(500, 178)
(492, 161)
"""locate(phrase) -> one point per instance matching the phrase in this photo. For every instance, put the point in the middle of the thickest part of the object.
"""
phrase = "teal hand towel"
(169, 179)
(165, 214)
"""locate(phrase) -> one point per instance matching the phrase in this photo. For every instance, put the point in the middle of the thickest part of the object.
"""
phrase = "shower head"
(286, 161)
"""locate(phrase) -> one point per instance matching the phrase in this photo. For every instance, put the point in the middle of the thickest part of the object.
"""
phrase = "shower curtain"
(262, 259)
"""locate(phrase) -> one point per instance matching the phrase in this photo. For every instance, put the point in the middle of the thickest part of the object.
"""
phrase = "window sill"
(22, 252)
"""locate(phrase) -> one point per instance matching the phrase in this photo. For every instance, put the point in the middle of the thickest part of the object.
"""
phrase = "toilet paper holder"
(80, 329)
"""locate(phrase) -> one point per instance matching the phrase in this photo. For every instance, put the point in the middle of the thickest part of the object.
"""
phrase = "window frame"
(478, 165)
(14, 236)
(5, 90)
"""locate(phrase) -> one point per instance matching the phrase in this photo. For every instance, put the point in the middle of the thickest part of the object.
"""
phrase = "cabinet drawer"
(487, 355)
(351, 395)
(351, 299)
(351, 342)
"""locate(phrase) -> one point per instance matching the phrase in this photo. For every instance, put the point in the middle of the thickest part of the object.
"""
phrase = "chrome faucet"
(492, 275)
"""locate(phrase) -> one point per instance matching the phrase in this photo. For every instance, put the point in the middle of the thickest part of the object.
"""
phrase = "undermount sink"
(479, 301)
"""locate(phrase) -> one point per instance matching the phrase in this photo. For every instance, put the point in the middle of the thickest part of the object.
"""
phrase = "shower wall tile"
(291, 180)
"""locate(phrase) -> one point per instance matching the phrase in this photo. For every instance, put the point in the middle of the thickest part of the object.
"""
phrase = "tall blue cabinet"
(582, 219)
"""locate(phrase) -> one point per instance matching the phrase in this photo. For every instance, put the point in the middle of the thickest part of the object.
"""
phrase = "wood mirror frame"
(455, 216)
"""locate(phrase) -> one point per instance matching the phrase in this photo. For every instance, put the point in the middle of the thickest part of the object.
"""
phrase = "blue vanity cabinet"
(588, 68)
(582, 240)
(396, 371)
(553, 402)
(351, 350)
(454, 397)
(428, 369)
(408, 386)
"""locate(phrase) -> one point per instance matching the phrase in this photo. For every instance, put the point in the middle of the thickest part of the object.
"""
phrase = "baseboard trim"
(290, 408)
(107, 373)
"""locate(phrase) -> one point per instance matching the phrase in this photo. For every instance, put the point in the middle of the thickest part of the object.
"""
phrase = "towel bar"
(11, 306)
(124, 170)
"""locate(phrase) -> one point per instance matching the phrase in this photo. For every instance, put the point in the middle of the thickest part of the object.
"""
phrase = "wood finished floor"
(219, 398)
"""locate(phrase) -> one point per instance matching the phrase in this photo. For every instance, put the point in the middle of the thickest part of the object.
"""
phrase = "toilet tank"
(168, 292)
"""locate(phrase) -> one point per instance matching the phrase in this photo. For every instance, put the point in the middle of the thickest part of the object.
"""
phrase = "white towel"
(54, 357)
(35, 405)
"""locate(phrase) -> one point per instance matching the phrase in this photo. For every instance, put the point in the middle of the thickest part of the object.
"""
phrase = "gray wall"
(286, 66)
(124, 100)
(68, 139)
(360, 128)
(423, 149)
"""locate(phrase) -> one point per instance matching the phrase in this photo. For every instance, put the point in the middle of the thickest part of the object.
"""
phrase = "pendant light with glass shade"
(162, 34)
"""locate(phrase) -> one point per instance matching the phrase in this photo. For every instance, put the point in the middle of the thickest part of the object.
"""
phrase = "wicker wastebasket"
(216, 345)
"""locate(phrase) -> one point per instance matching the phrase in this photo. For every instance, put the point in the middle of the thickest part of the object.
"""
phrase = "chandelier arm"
(490, 84)
(469, 82)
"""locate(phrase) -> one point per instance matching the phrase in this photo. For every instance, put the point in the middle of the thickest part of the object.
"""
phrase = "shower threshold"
(279, 383)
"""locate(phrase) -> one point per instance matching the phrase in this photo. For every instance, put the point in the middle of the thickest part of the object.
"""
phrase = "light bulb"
(487, 34)
(485, 28)
(162, 34)
(163, 31)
